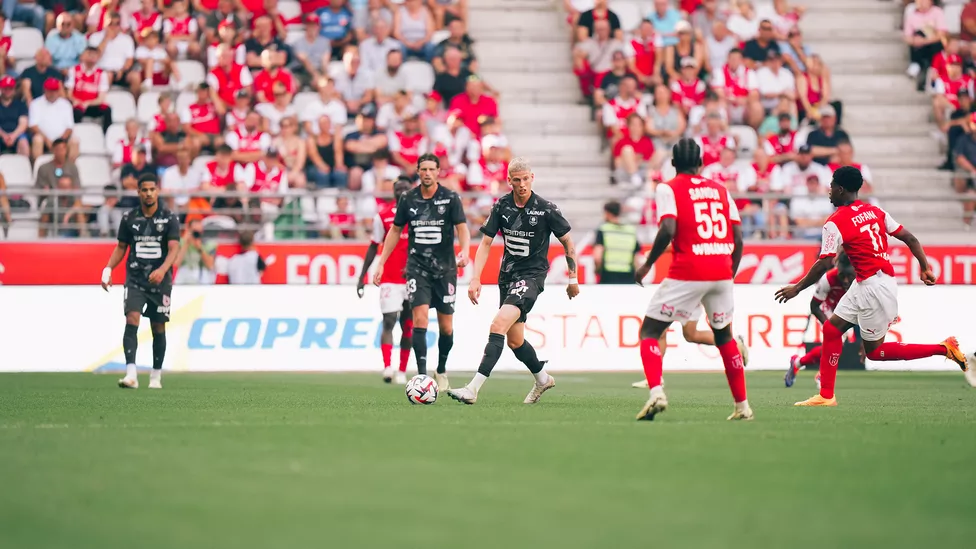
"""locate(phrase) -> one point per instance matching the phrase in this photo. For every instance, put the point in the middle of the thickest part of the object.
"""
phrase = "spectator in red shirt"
(201, 122)
(182, 32)
(689, 90)
(474, 105)
(88, 86)
(632, 153)
(647, 57)
(226, 79)
(272, 74)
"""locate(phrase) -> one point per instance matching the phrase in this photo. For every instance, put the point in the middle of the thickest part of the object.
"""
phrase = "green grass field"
(331, 460)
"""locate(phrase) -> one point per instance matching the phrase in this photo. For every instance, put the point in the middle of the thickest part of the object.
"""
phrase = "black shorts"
(152, 305)
(522, 293)
(439, 293)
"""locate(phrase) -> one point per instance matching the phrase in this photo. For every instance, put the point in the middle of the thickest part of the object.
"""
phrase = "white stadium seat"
(122, 104)
(335, 68)
(746, 140)
(302, 100)
(16, 170)
(91, 139)
(24, 64)
(184, 100)
(192, 74)
(629, 13)
(201, 162)
(440, 36)
(25, 41)
(148, 106)
(40, 161)
(953, 18)
(290, 9)
(115, 134)
(419, 76)
(294, 36)
(95, 174)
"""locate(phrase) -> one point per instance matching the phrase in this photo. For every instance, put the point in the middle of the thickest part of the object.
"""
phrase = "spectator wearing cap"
(234, 119)
(248, 143)
(326, 165)
(452, 81)
(688, 90)
(124, 149)
(51, 117)
(390, 116)
(336, 25)
(262, 40)
(276, 111)
(312, 52)
(329, 104)
(390, 80)
(25, 11)
(88, 86)
(374, 49)
(809, 209)
(271, 76)
(459, 39)
(645, 58)
(201, 122)
(226, 79)
(13, 119)
(737, 87)
(65, 43)
(179, 183)
(593, 57)
(946, 93)
(795, 174)
(609, 85)
(813, 89)
(33, 78)
(757, 50)
(686, 48)
(665, 20)
(780, 147)
(474, 105)
(116, 50)
(356, 86)
(59, 166)
(155, 66)
(704, 20)
(796, 54)
(226, 35)
(823, 141)
(407, 146)
(434, 115)
(925, 31)
(775, 82)
(211, 20)
(413, 25)
(632, 153)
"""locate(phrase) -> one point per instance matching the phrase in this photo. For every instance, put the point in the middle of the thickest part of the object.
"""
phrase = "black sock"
(130, 343)
(420, 349)
(159, 349)
(526, 354)
(444, 344)
(493, 351)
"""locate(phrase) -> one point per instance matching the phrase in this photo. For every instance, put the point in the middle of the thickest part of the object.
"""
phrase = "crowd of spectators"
(292, 118)
(735, 75)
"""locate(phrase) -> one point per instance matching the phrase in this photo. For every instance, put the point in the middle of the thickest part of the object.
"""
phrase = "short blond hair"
(519, 164)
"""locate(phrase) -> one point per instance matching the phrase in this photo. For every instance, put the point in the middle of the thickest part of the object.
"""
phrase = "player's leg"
(159, 354)
(525, 352)
(798, 362)
(406, 341)
(504, 319)
(134, 303)
(419, 295)
(719, 306)
(386, 345)
(662, 344)
(843, 319)
(443, 291)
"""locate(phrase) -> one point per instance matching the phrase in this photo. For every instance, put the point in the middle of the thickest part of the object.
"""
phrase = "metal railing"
(298, 214)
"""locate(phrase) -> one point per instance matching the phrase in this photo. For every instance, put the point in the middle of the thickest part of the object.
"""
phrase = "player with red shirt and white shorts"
(862, 231)
(700, 218)
(393, 287)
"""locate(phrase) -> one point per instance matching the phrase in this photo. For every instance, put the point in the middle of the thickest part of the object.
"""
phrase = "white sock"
(155, 375)
(657, 390)
(130, 371)
(542, 377)
(742, 406)
(477, 382)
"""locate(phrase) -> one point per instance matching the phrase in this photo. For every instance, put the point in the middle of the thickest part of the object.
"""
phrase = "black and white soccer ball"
(421, 389)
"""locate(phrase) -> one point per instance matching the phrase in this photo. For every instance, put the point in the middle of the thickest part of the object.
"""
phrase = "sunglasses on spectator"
(765, 28)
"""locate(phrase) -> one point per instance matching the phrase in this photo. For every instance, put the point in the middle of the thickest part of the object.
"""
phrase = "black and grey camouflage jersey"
(148, 241)
(526, 234)
(431, 223)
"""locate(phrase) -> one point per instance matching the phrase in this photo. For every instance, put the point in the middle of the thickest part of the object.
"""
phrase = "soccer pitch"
(341, 460)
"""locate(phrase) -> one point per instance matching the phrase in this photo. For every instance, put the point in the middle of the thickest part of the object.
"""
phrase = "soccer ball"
(421, 390)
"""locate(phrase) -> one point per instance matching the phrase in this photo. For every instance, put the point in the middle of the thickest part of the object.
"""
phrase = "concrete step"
(569, 96)
(559, 177)
(490, 59)
(850, 7)
(880, 158)
(881, 83)
(816, 21)
(874, 145)
(493, 7)
(525, 111)
(549, 80)
(573, 145)
(913, 114)
(553, 32)
(894, 127)
(927, 183)
(554, 127)
(918, 209)
(859, 51)
(485, 22)
(894, 96)
(895, 65)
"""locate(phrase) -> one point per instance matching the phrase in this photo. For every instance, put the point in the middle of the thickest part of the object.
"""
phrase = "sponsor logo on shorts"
(667, 311)
(449, 298)
(719, 318)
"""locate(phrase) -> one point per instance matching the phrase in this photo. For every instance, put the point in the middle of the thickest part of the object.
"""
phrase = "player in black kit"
(525, 221)
(151, 233)
(433, 213)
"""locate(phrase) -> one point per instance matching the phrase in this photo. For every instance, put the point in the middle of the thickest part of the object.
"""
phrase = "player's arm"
(389, 243)
(738, 249)
(598, 251)
(480, 260)
(572, 289)
(371, 250)
(830, 244)
(463, 233)
(172, 251)
(667, 222)
(816, 311)
(906, 236)
(118, 253)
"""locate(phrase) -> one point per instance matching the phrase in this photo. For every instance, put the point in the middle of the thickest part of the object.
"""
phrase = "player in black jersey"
(151, 234)
(433, 212)
(525, 220)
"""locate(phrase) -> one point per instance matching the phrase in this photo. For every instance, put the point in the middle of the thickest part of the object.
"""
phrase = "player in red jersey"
(826, 295)
(393, 287)
(701, 219)
(871, 302)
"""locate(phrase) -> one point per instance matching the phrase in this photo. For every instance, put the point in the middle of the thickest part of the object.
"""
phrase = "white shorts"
(681, 301)
(872, 304)
(392, 297)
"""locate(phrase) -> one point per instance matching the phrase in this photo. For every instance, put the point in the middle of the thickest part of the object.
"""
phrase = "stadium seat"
(201, 162)
(16, 170)
(184, 100)
(335, 68)
(24, 64)
(294, 36)
(95, 174)
(90, 138)
(953, 17)
(122, 104)
(25, 42)
(440, 36)
(192, 74)
(148, 106)
(23, 229)
(115, 134)
(40, 161)
(419, 76)
(746, 140)
(628, 12)
(290, 9)
(303, 99)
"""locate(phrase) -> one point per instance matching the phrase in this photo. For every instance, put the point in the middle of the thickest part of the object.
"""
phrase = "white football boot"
(537, 389)
(464, 395)
(156, 379)
(742, 412)
(400, 378)
(388, 374)
(654, 405)
(443, 384)
(129, 383)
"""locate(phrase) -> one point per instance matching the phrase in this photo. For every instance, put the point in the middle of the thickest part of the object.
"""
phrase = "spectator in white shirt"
(116, 50)
(51, 117)
(775, 82)
(329, 104)
(809, 209)
(795, 175)
(390, 79)
(181, 180)
(380, 178)
(744, 24)
(354, 84)
(273, 113)
(373, 50)
(390, 116)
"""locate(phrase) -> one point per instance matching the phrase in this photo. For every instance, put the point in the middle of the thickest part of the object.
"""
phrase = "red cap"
(456, 113)
(312, 18)
(440, 150)
(8, 82)
(225, 23)
(52, 84)
(435, 96)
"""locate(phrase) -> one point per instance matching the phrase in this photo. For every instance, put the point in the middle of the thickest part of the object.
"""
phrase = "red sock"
(812, 357)
(387, 350)
(906, 351)
(833, 344)
(650, 354)
(404, 358)
(734, 369)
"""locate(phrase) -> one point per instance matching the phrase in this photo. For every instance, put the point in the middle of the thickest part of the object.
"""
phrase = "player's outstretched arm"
(113, 261)
(389, 243)
(367, 262)
(572, 289)
(817, 270)
(665, 234)
(906, 236)
(480, 260)
(464, 242)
